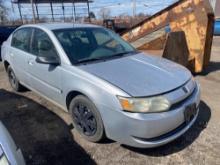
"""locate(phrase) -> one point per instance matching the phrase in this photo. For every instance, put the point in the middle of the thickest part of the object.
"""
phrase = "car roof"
(56, 26)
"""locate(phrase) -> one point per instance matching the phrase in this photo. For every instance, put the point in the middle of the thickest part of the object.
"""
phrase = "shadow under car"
(42, 136)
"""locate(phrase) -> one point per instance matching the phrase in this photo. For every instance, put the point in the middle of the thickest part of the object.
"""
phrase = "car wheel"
(13, 80)
(86, 119)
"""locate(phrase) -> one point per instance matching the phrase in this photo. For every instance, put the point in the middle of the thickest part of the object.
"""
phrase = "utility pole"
(88, 10)
(51, 7)
(33, 11)
(134, 8)
(19, 9)
(134, 11)
(74, 11)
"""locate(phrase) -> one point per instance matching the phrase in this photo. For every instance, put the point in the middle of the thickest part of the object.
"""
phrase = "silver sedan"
(109, 88)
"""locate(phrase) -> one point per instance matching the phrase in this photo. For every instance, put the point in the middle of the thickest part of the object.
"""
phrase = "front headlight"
(145, 105)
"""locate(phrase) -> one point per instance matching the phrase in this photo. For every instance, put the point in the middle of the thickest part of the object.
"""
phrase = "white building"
(213, 2)
(216, 7)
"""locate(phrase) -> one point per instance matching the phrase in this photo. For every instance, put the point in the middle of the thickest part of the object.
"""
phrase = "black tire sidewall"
(16, 87)
(99, 134)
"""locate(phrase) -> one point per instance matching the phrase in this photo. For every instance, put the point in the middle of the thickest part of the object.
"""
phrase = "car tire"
(16, 86)
(87, 119)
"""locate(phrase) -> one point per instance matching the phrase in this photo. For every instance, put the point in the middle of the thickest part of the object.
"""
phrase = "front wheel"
(86, 119)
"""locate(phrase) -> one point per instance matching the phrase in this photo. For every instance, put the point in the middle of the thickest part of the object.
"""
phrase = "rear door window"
(21, 39)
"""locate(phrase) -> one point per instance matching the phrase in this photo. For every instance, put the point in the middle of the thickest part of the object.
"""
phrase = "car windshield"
(91, 44)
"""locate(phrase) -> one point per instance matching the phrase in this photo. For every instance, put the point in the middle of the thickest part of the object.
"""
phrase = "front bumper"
(150, 130)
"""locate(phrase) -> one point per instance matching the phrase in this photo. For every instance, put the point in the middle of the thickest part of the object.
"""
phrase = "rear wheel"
(86, 119)
(13, 80)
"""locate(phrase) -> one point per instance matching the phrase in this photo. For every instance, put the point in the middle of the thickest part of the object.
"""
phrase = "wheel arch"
(71, 95)
(6, 64)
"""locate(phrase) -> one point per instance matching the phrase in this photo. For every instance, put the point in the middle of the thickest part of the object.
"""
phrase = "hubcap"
(85, 119)
(12, 79)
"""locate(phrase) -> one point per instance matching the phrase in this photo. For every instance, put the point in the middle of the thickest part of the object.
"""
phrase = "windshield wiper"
(123, 54)
(85, 60)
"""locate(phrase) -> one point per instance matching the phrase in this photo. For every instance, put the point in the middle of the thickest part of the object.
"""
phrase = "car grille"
(181, 102)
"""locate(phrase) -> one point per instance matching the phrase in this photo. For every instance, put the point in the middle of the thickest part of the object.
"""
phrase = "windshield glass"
(90, 44)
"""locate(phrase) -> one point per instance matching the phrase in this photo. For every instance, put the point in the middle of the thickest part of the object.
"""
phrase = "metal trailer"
(194, 17)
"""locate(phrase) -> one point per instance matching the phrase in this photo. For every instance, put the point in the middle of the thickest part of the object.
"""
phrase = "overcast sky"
(117, 7)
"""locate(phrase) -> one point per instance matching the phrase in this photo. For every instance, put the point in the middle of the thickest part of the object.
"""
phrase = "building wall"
(217, 9)
(213, 2)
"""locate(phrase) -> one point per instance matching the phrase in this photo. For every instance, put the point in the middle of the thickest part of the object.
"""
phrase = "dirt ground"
(45, 136)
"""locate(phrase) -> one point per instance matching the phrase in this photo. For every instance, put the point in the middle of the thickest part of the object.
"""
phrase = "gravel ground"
(44, 133)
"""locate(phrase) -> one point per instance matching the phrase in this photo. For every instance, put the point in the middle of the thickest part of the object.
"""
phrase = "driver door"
(44, 78)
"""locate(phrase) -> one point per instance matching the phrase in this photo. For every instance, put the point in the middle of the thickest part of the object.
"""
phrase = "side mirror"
(48, 60)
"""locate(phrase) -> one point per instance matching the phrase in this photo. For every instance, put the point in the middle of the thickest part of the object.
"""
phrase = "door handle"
(30, 62)
(11, 54)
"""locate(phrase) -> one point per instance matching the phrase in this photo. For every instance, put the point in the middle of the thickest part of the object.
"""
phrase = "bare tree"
(141, 14)
(92, 15)
(104, 13)
(3, 13)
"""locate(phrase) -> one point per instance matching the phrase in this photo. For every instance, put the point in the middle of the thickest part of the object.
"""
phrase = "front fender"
(101, 93)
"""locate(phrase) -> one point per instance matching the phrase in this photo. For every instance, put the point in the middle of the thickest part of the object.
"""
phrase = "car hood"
(140, 74)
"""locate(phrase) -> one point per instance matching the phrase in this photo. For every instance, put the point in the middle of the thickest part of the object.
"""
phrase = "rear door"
(19, 51)
(44, 78)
